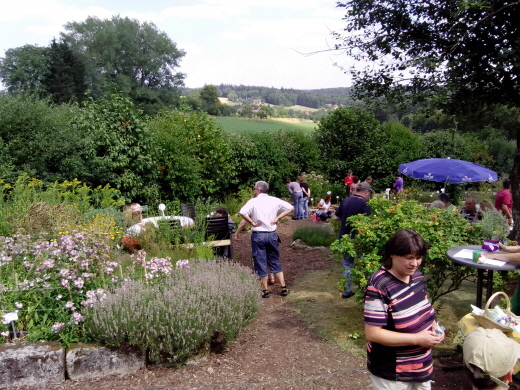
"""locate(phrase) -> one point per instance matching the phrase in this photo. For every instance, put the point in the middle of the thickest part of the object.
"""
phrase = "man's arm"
(509, 217)
(248, 219)
(281, 215)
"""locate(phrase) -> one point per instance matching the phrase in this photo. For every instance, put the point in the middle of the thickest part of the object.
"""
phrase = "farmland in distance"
(241, 125)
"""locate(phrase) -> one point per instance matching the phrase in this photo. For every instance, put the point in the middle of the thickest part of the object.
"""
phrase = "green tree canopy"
(24, 69)
(468, 50)
(209, 99)
(140, 59)
(120, 149)
(65, 80)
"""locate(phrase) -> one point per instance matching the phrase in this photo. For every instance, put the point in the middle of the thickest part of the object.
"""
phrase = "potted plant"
(494, 229)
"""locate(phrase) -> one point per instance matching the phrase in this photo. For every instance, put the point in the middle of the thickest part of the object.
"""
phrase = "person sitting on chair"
(470, 212)
(222, 212)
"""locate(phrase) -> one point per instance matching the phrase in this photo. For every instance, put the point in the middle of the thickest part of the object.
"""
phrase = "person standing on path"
(353, 205)
(348, 182)
(399, 183)
(306, 195)
(504, 201)
(297, 195)
(262, 213)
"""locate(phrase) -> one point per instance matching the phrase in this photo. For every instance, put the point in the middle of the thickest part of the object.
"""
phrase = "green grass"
(317, 299)
(241, 125)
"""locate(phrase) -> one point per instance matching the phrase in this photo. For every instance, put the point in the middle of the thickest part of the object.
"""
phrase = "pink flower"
(57, 326)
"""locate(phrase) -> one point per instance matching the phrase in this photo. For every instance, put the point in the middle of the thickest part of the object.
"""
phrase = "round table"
(136, 229)
(483, 270)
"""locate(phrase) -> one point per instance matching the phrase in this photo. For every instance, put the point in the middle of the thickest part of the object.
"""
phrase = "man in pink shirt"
(504, 201)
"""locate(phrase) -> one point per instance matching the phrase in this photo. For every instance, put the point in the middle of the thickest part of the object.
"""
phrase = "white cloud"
(226, 41)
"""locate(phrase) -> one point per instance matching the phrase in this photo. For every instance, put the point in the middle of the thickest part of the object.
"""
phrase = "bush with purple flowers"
(191, 307)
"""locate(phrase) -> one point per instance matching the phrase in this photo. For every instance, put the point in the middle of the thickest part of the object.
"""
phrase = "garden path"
(277, 351)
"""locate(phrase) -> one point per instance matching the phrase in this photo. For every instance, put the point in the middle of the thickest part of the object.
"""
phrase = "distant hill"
(313, 98)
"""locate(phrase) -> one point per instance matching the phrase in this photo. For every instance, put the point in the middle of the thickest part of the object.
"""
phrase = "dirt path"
(277, 351)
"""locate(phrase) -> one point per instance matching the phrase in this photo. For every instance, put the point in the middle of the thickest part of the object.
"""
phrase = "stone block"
(93, 361)
(31, 364)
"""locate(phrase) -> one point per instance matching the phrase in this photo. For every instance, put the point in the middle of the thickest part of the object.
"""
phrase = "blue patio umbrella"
(447, 170)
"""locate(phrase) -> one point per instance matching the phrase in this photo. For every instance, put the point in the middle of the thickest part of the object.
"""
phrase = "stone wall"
(38, 364)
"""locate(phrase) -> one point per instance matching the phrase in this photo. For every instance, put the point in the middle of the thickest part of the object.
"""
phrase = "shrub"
(194, 155)
(315, 235)
(50, 279)
(177, 315)
(441, 229)
(32, 205)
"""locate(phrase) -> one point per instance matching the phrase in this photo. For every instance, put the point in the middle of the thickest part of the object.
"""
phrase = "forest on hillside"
(315, 98)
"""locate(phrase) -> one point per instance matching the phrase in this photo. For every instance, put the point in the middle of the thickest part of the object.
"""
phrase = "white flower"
(5, 334)
(18, 305)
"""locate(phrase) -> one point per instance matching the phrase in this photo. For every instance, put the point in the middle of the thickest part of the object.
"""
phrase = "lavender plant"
(176, 312)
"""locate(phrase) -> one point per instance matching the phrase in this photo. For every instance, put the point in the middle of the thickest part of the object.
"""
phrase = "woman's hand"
(428, 338)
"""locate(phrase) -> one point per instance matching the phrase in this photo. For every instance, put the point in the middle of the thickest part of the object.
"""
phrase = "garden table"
(134, 230)
(484, 271)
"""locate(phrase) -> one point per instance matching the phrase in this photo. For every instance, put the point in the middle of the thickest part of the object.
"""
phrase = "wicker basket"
(488, 323)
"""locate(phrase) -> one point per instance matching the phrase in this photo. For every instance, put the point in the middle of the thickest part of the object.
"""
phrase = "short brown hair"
(404, 242)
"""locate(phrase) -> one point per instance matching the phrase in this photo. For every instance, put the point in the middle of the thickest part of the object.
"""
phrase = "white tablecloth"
(136, 229)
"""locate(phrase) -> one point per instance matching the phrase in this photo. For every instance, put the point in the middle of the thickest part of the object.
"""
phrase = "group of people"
(400, 324)
(300, 193)
(399, 319)
(473, 213)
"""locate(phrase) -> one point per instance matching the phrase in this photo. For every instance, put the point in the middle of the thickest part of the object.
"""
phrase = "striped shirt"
(399, 307)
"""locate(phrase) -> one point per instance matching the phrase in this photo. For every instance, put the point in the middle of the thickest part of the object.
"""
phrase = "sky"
(249, 42)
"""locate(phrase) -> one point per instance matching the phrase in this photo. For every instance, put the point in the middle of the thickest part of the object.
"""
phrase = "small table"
(481, 270)
(136, 229)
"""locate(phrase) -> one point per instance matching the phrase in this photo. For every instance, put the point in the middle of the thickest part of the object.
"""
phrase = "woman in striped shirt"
(399, 319)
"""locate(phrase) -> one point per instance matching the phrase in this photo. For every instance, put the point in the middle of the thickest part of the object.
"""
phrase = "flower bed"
(50, 286)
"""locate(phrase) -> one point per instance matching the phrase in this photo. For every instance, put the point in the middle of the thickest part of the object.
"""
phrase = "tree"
(137, 57)
(247, 110)
(65, 80)
(209, 98)
(24, 69)
(41, 140)
(461, 56)
(265, 111)
(232, 96)
(349, 138)
(120, 149)
(194, 154)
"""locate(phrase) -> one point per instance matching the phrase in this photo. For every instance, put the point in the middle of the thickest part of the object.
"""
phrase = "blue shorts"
(264, 248)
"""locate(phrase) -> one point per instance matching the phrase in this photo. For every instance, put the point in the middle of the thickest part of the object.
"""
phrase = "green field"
(240, 125)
